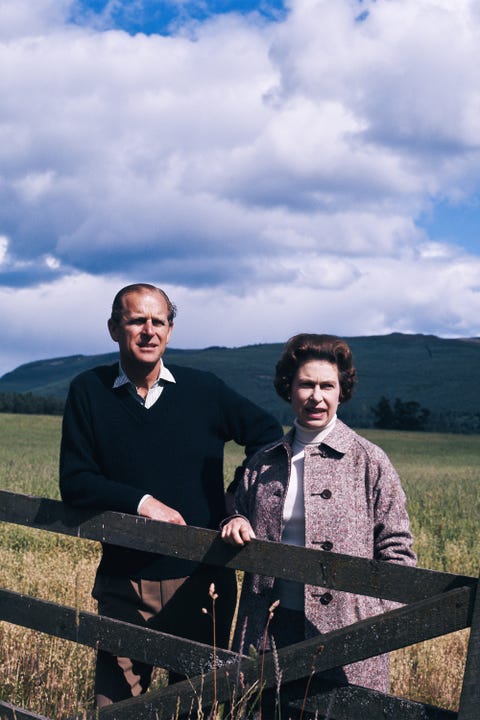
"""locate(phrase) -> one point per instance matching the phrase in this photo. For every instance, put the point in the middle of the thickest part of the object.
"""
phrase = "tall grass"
(55, 678)
(440, 475)
(45, 674)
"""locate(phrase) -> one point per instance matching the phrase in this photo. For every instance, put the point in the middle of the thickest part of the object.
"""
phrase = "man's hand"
(237, 531)
(157, 510)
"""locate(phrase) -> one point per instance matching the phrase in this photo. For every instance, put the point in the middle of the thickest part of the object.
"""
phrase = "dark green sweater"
(114, 451)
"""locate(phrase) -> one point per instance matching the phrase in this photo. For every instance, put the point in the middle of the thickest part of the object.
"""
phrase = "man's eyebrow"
(131, 317)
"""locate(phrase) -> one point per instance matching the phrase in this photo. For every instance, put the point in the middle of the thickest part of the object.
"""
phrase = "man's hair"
(304, 347)
(117, 305)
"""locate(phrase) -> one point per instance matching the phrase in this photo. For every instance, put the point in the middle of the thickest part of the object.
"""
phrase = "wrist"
(231, 517)
(142, 502)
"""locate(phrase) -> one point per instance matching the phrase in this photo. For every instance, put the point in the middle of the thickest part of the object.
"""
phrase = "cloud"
(249, 164)
(432, 292)
(28, 18)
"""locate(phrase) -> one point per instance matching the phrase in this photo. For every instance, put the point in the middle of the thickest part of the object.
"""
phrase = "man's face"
(143, 332)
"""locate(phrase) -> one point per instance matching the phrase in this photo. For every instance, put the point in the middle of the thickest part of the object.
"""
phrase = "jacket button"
(327, 545)
(326, 598)
(326, 494)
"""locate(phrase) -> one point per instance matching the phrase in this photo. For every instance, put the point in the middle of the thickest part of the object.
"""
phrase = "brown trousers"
(172, 606)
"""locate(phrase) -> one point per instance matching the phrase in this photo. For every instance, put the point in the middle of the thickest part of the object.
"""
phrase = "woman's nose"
(317, 393)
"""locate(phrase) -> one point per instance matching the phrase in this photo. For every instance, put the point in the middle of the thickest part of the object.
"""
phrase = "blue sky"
(166, 17)
(277, 167)
(458, 224)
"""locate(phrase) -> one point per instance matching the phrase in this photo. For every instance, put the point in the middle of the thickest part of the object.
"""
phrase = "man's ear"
(112, 329)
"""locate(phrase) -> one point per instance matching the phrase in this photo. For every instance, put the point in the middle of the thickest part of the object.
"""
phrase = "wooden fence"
(436, 603)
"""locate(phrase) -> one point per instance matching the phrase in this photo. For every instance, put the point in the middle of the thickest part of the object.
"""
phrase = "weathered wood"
(421, 621)
(439, 603)
(373, 636)
(470, 696)
(383, 633)
(352, 702)
(317, 567)
(12, 712)
(149, 646)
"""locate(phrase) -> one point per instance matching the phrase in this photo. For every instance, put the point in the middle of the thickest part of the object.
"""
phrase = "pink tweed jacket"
(354, 504)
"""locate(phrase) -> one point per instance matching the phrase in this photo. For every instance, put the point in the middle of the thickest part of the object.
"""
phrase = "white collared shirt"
(153, 393)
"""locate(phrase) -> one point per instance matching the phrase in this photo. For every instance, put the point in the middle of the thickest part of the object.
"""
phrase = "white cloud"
(33, 187)
(266, 170)
(23, 18)
(52, 262)
(432, 250)
(3, 249)
(434, 295)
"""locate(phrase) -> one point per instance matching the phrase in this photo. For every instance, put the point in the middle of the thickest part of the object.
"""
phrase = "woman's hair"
(304, 347)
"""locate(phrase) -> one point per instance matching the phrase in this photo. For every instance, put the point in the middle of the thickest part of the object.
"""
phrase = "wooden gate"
(435, 604)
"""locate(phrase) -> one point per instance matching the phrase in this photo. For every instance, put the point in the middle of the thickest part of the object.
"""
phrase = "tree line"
(30, 404)
(401, 415)
(410, 415)
(386, 414)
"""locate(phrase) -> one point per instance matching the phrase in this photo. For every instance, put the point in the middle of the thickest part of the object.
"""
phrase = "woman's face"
(315, 393)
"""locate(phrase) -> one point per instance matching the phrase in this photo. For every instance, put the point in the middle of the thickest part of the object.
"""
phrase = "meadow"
(54, 677)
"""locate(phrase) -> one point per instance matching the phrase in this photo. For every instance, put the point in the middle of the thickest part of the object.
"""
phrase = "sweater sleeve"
(82, 483)
(248, 425)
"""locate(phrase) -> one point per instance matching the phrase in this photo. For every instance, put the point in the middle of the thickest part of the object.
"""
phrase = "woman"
(321, 486)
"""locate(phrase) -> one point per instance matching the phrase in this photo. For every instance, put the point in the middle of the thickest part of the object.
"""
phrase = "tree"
(403, 416)
(29, 404)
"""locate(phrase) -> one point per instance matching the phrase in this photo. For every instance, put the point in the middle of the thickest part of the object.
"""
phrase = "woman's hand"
(237, 531)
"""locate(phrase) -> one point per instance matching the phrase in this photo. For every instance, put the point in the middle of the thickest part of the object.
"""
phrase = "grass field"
(53, 677)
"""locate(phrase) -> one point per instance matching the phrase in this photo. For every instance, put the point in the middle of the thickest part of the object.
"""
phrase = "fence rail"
(435, 604)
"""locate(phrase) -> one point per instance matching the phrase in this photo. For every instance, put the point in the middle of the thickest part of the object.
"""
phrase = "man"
(141, 438)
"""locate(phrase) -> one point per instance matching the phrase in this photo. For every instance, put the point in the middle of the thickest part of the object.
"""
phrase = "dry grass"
(440, 476)
(45, 674)
(55, 678)
(431, 672)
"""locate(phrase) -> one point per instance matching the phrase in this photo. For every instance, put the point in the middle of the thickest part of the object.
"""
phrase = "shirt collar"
(339, 438)
(122, 378)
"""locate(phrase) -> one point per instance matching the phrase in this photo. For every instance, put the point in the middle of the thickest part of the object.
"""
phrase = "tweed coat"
(354, 504)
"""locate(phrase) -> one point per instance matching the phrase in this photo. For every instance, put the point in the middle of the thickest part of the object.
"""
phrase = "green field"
(53, 677)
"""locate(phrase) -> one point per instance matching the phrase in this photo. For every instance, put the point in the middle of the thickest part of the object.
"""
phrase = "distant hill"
(443, 375)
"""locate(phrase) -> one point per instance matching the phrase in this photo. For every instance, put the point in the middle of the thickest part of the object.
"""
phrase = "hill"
(443, 375)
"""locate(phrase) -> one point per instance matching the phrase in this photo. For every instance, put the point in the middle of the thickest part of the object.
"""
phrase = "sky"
(277, 167)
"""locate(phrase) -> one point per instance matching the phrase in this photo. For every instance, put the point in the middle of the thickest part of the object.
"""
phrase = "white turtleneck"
(288, 592)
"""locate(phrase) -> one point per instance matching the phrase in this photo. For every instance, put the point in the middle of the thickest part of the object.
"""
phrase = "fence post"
(470, 697)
